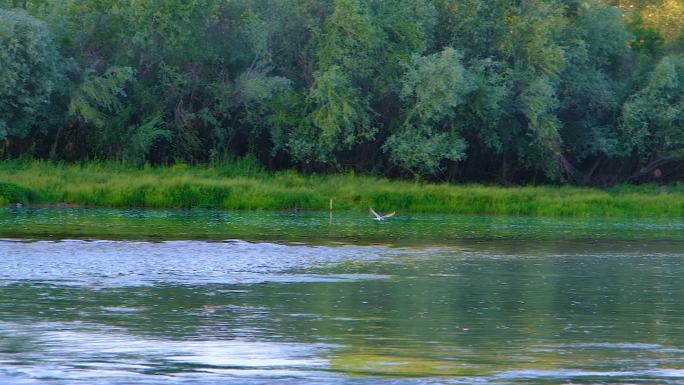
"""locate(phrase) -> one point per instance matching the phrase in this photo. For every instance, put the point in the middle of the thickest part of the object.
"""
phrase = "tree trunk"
(53, 149)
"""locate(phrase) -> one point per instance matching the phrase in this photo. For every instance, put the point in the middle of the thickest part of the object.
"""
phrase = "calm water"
(201, 297)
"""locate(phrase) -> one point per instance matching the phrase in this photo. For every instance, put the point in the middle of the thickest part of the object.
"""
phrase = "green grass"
(241, 185)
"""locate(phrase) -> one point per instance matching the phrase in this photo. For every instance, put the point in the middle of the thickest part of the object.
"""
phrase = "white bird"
(381, 218)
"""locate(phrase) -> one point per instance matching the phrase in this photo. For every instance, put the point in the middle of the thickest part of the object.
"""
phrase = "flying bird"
(381, 218)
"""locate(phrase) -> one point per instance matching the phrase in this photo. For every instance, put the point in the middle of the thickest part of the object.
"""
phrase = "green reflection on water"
(314, 227)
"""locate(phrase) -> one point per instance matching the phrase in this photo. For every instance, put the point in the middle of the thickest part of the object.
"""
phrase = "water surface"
(321, 227)
(201, 297)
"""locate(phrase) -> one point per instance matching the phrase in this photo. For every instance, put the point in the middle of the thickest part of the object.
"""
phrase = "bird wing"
(389, 215)
(375, 214)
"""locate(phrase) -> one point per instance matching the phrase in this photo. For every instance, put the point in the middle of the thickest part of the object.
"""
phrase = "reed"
(243, 185)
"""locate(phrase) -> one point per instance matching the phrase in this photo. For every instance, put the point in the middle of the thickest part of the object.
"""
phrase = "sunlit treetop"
(666, 16)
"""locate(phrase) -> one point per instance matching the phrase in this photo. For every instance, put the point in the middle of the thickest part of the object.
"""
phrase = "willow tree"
(592, 86)
(338, 113)
(652, 118)
(516, 54)
(432, 89)
(29, 75)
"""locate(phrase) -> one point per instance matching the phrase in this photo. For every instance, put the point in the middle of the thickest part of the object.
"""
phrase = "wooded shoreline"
(584, 93)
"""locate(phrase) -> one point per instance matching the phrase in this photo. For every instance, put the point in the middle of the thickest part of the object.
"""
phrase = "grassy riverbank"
(242, 185)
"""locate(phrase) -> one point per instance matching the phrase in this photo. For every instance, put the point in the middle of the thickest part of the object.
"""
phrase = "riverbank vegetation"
(583, 92)
(244, 184)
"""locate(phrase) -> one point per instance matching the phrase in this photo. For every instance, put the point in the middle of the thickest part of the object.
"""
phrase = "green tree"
(514, 91)
(29, 75)
(433, 87)
(537, 57)
(592, 84)
(653, 118)
(338, 110)
(101, 106)
(516, 53)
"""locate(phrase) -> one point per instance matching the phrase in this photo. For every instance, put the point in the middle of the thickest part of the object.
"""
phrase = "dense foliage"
(581, 91)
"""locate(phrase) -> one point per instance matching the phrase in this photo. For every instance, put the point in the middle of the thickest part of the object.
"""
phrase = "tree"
(338, 111)
(664, 16)
(29, 75)
(537, 57)
(432, 88)
(592, 85)
(512, 91)
(653, 118)
(100, 105)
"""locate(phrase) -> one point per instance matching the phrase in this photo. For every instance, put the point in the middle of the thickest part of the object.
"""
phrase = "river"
(205, 297)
